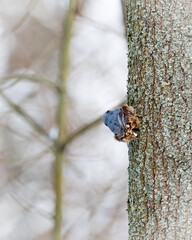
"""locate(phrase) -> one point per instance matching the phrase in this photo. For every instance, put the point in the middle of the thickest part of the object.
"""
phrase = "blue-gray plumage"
(116, 120)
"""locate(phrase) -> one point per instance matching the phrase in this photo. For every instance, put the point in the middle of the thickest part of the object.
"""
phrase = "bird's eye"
(109, 112)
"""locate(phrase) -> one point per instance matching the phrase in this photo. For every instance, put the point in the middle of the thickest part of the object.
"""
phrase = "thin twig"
(24, 115)
(61, 117)
(82, 130)
(28, 77)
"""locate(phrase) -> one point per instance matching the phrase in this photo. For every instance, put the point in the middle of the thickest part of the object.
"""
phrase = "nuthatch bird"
(123, 122)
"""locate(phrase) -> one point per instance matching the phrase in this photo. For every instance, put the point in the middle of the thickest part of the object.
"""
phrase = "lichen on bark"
(159, 86)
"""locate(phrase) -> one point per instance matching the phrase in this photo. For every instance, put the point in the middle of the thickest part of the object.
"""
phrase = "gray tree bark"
(160, 88)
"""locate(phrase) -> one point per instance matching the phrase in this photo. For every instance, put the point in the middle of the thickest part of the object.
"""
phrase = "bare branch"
(26, 77)
(82, 130)
(61, 116)
(24, 115)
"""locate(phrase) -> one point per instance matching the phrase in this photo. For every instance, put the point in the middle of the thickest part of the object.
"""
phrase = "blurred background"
(95, 172)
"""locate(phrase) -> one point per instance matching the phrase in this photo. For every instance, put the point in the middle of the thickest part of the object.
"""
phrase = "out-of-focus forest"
(95, 166)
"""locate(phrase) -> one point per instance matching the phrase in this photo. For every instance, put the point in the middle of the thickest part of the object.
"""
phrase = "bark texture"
(160, 88)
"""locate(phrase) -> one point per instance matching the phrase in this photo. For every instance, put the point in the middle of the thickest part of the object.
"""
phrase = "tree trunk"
(160, 88)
